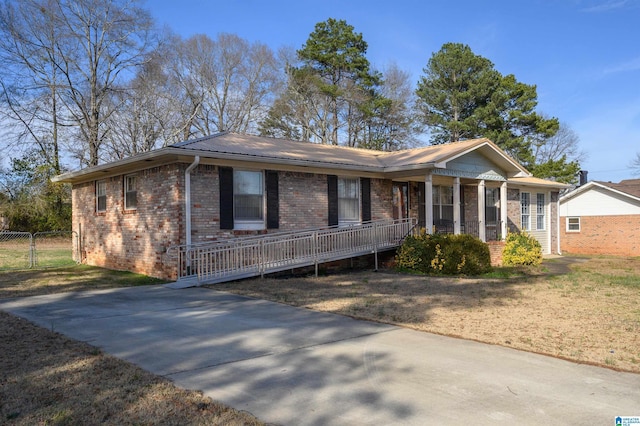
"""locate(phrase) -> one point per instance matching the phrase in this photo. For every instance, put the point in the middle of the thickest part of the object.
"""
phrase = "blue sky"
(583, 55)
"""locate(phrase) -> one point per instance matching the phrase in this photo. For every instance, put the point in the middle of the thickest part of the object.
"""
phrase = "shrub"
(521, 249)
(444, 254)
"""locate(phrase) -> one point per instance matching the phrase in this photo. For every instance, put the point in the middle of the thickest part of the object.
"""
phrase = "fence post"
(32, 252)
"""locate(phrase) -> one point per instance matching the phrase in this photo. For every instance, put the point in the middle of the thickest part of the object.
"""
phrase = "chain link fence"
(23, 250)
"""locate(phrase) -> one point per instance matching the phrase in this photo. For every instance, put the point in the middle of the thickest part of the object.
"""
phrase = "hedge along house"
(128, 213)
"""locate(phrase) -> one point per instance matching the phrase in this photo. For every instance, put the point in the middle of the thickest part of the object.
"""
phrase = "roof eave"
(149, 159)
(591, 184)
(172, 154)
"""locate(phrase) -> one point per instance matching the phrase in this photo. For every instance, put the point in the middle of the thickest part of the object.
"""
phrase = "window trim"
(250, 224)
(526, 227)
(346, 222)
(494, 193)
(544, 211)
(99, 195)
(130, 193)
(441, 195)
(568, 225)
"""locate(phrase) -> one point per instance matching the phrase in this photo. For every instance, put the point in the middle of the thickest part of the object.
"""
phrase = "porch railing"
(492, 229)
(244, 257)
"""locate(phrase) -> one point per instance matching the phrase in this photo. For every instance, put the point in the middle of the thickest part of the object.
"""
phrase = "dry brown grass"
(46, 378)
(33, 282)
(589, 313)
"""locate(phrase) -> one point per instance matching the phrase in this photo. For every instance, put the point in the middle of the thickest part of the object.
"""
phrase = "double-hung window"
(573, 224)
(130, 192)
(248, 199)
(101, 196)
(525, 211)
(443, 204)
(540, 212)
(492, 205)
(348, 201)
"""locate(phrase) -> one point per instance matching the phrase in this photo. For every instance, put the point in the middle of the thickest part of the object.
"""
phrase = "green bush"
(444, 255)
(521, 249)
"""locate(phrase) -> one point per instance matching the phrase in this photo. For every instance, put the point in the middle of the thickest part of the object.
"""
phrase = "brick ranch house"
(601, 218)
(128, 213)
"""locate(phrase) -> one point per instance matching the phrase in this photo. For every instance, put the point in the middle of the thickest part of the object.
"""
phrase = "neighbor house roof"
(295, 155)
(627, 188)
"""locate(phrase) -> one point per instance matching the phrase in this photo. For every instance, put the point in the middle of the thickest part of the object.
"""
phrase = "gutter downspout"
(187, 199)
(558, 223)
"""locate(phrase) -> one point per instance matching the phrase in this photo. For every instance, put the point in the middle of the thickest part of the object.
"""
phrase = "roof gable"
(629, 188)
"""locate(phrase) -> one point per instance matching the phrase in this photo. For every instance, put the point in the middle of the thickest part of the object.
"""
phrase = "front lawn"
(48, 379)
(589, 312)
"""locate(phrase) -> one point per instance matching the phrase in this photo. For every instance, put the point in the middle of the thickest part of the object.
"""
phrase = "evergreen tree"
(462, 96)
(334, 97)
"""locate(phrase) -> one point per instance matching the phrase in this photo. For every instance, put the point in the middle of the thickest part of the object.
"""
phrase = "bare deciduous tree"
(30, 80)
(635, 165)
(75, 54)
(395, 126)
(224, 84)
(103, 39)
(564, 143)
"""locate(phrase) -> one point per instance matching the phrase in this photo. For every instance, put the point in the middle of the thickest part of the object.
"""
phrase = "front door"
(400, 200)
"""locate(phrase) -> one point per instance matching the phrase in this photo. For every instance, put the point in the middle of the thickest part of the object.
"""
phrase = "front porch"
(455, 205)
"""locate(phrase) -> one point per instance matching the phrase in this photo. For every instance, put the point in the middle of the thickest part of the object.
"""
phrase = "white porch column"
(503, 211)
(456, 205)
(482, 226)
(428, 203)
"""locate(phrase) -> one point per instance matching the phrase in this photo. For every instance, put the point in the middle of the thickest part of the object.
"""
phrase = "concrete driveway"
(298, 367)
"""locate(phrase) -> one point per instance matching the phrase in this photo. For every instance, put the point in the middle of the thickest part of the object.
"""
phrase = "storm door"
(492, 213)
(400, 200)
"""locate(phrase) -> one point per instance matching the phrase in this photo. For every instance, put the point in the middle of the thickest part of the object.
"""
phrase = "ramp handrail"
(244, 257)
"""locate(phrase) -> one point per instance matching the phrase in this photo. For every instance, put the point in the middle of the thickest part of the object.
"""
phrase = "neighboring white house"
(601, 218)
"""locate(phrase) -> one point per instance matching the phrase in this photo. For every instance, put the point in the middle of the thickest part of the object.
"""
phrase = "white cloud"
(606, 6)
(632, 65)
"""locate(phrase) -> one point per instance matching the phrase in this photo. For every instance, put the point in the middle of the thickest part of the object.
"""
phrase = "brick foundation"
(495, 249)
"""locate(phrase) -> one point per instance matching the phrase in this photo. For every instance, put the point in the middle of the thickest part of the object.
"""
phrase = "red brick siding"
(134, 240)
(613, 235)
(303, 200)
(381, 199)
(495, 250)
(514, 223)
(137, 240)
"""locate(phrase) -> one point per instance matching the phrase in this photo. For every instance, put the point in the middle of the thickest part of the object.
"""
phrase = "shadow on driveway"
(295, 366)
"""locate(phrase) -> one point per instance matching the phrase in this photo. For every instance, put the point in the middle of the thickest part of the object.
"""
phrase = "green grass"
(16, 256)
(54, 258)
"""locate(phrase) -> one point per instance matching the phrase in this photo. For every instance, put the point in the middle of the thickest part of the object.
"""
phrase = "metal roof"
(295, 155)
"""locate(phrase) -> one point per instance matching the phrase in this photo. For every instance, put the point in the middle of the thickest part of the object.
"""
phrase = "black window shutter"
(273, 205)
(332, 194)
(225, 175)
(365, 196)
(421, 202)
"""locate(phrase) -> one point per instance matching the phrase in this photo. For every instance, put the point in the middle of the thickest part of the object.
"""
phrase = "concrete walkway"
(293, 366)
